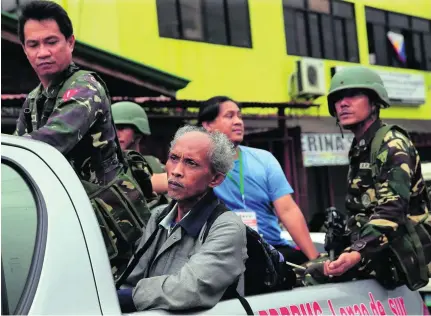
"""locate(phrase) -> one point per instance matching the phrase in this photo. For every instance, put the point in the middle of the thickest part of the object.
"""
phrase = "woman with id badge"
(256, 189)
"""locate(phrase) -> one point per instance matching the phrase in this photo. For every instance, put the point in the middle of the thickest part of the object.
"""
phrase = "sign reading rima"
(325, 149)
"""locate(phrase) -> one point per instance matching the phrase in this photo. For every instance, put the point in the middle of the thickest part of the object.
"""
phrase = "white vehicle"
(319, 238)
(54, 259)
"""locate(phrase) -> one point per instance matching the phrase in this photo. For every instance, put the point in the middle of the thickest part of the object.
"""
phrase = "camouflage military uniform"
(77, 123)
(384, 197)
(73, 114)
(378, 207)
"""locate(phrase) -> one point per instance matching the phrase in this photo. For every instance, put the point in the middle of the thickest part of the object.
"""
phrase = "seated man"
(179, 270)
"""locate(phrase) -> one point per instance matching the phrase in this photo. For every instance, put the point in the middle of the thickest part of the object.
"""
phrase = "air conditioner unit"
(310, 81)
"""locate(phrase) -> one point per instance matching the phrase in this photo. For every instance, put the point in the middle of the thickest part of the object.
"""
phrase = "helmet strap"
(339, 126)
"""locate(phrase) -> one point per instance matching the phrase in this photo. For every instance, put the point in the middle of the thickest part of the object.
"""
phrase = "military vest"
(410, 247)
(120, 206)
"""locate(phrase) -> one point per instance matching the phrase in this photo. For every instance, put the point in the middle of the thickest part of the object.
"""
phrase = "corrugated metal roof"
(109, 63)
(327, 124)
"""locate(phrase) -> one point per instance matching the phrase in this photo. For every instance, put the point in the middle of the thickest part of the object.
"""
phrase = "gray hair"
(222, 152)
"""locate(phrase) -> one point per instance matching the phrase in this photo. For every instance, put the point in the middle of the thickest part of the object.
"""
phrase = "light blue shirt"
(264, 182)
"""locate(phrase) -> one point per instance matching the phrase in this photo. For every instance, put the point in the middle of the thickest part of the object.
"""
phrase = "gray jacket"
(184, 272)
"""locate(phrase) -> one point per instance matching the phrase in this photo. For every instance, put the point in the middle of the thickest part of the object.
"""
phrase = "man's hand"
(345, 262)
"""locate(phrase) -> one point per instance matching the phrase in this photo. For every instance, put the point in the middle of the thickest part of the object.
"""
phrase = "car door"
(45, 262)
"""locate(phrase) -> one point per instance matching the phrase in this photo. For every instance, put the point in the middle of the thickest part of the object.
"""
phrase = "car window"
(19, 222)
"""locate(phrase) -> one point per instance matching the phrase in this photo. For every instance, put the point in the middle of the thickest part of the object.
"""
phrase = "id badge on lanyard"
(248, 217)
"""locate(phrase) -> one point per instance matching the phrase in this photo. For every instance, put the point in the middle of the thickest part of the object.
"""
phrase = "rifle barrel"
(27, 116)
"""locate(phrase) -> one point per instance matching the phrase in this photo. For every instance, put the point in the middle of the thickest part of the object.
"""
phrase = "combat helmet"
(129, 113)
(357, 78)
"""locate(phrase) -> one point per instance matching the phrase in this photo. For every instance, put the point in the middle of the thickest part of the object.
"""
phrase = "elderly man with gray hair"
(186, 266)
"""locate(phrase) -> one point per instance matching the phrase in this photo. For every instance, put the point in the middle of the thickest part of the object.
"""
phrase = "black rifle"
(27, 116)
(335, 236)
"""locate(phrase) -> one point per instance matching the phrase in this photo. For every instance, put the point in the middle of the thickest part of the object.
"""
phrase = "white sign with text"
(325, 149)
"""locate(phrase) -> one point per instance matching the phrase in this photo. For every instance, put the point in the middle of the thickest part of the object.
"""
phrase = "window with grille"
(321, 29)
(222, 22)
(398, 40)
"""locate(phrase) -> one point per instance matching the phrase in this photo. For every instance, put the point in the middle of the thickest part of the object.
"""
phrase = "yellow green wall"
(129, 28)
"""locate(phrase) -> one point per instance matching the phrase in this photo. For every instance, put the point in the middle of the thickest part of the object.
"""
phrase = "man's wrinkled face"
(126, 136)
(352, 106)
(229, 122)
(47, 50)
(189, 169)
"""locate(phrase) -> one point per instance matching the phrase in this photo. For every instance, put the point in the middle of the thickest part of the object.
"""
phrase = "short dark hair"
(210, 109)
(44, 10)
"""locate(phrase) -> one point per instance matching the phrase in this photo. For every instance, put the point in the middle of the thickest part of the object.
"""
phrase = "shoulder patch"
(85, 79)
(92, 79)
(69, 94)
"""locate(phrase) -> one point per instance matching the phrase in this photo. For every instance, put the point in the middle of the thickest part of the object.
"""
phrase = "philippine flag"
(397, 41)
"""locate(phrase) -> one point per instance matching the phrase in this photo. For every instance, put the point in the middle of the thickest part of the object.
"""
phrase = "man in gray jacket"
(179, 270)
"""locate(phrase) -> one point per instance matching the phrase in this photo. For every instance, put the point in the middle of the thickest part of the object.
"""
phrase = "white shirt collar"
(167, 221)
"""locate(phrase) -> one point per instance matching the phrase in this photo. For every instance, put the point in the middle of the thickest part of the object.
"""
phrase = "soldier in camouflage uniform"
(380, 202)
(77, 122)
(70, 110)
(132, 125)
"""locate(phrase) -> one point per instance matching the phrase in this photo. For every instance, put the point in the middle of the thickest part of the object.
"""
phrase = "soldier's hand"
(344, 262)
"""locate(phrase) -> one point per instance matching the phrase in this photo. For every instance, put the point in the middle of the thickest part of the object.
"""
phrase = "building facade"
(248, 49)
(279, 51)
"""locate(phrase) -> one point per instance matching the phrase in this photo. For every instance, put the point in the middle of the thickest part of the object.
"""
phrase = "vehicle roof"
(27, 143)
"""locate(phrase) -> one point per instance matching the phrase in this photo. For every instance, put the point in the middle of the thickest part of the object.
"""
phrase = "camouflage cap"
(130, 113)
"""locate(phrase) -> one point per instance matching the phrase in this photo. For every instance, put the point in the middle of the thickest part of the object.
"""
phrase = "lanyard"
(240, 185)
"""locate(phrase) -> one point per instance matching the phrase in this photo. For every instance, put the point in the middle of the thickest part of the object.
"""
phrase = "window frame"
(33, 276)
(335, 20)
(389, 54)
(180, 32)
